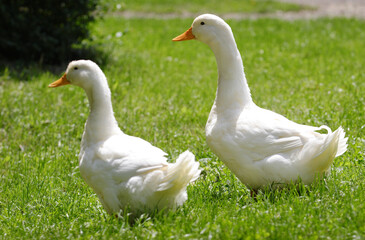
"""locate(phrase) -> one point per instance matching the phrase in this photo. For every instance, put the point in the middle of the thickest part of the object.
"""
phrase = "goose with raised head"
(259, 146)
(124, 171)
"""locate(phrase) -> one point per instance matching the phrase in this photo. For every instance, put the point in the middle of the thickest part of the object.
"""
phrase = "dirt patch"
(322, 8)
(329, 8)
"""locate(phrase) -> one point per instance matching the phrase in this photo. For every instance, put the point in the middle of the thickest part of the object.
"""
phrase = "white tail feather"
(333, 146)
(181, 173)
(342, 142)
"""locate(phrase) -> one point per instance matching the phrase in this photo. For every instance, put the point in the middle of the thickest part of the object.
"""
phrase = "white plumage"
(124, 171)
(259, 146)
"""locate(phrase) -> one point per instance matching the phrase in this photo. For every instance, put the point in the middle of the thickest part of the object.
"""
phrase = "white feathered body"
(262, 147)
(126, 171)
(259, 146)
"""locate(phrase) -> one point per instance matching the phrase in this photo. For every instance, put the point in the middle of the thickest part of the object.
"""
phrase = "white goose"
(259, 146)
(124, 171)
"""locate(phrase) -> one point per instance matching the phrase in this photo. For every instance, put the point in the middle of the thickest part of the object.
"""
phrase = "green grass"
(200, 6)
(309, 71)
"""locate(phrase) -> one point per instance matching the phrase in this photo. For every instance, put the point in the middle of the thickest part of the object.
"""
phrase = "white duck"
(124, 171)
(259, 146)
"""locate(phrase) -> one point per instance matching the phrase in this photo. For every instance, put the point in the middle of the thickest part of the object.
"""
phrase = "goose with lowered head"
(259, 146)
(124, 171)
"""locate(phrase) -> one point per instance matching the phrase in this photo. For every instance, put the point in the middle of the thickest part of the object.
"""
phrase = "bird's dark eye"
(202, 23)
(76, 68)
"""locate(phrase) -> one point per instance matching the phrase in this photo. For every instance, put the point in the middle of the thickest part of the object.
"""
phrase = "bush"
(43, 30)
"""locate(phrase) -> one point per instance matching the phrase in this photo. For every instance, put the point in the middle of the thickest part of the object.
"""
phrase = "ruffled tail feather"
(334, 145)
(181, 173)
(342, 142)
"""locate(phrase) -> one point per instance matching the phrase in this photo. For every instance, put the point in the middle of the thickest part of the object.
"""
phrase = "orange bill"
(60, 82)
(188, 35)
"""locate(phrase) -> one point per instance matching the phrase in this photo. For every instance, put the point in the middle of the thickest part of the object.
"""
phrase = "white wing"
(264, 133)
(130, 156)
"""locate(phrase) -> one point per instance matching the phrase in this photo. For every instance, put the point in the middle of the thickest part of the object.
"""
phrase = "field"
(196, 6)
(310, 71)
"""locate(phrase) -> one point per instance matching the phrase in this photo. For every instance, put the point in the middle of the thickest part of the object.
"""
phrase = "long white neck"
(232, 91)
(101, 122)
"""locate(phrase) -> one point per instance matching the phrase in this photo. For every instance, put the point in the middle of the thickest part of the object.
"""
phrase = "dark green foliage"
(43, 31)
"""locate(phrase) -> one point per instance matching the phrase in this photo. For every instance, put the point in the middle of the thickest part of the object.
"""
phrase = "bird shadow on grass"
(132, 219)
(278, 192)
(235, 194)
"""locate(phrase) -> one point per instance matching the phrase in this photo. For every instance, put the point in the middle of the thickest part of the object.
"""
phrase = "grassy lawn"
(310, 71)
(200, 6)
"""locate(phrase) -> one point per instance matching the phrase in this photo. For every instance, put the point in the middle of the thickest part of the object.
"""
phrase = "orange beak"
(188, 35)
(60, 82)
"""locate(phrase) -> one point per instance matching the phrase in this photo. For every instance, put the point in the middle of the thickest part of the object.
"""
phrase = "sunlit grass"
(311, 72)
(200, 6)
